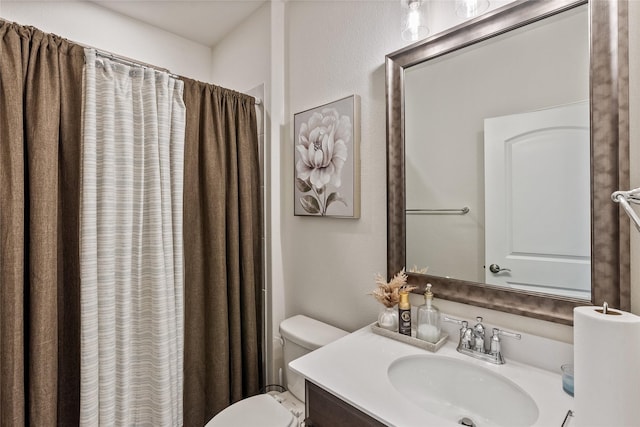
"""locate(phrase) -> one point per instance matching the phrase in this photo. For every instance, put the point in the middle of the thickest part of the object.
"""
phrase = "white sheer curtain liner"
(131, 246)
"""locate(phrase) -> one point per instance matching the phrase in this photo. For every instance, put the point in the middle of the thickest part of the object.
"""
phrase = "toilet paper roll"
(606, 367)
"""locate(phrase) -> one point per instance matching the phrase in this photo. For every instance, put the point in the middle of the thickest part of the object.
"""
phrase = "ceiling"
(205, 21)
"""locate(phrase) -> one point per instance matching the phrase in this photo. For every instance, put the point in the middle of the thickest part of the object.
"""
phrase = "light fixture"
(471, 8)
(414, 25)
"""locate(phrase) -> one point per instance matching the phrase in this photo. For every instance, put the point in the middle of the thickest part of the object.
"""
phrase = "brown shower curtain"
(222, 251)
(40, 110)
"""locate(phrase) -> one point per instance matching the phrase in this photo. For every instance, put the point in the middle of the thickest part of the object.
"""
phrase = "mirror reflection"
(498, 160)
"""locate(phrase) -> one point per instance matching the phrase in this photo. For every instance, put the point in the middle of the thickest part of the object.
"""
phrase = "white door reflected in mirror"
(537, 201)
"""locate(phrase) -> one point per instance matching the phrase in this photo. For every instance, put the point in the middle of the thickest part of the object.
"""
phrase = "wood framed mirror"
(609, 156)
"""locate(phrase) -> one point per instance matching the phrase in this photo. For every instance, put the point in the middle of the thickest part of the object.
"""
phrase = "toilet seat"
(256, 411)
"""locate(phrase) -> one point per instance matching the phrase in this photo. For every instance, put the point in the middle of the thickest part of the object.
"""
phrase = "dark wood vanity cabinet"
(326, 410)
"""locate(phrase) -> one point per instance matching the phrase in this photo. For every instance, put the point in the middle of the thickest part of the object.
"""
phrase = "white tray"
(410, 339)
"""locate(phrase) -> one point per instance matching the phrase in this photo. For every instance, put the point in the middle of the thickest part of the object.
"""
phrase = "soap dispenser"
(428, 319)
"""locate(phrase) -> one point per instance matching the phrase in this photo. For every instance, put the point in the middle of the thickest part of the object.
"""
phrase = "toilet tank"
(302, 335)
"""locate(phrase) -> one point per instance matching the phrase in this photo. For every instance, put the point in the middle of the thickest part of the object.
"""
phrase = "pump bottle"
(428, 319)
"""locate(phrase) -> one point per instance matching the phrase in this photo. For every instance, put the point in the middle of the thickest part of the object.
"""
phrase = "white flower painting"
(326, 167)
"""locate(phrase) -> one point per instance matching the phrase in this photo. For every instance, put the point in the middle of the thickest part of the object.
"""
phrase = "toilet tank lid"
(308, 332)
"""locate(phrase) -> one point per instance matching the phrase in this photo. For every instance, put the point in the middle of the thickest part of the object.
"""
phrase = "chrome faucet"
(478, 336)
(472, 341)
(466, 335)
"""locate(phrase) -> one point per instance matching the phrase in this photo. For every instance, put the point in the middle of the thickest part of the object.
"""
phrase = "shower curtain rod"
(127, 61)
(132, 62)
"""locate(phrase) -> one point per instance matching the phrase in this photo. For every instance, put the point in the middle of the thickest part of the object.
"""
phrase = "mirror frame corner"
(610, 245)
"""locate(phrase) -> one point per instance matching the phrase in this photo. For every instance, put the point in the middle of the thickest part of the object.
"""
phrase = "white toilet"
(301, 335)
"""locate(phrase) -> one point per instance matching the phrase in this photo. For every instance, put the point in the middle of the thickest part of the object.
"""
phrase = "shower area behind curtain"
(223, 256)
(131, 246)
(40, 140)
(127, 318)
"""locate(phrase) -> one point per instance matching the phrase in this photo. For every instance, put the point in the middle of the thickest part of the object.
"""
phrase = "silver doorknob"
(495, 268)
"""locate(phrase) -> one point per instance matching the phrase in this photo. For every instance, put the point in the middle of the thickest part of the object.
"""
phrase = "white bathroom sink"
(454, 389)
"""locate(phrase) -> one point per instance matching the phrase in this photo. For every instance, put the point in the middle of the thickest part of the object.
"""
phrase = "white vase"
(388, 318)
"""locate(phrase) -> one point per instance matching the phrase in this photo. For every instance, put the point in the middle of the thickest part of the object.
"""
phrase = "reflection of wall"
(447, 101)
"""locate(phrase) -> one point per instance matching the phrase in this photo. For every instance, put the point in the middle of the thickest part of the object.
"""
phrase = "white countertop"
(354, 368)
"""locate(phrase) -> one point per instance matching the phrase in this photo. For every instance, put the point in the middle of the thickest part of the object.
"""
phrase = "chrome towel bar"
(462, 211)
(626, 197)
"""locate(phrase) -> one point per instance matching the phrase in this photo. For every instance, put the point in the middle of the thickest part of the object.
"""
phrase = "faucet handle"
(453, 320)
(495, 348)
(463, 323)
(465, 332)
(503, 333)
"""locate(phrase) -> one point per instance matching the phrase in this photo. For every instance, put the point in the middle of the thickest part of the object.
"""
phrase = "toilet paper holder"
(605, 310)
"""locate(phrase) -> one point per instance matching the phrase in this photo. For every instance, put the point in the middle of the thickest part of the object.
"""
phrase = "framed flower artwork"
(327, 166)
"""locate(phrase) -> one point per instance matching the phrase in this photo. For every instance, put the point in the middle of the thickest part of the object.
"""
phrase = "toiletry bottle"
(428, 319)
(404, 312)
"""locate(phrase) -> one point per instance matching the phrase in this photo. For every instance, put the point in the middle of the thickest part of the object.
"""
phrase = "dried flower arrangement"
(388, 293)
(416, 269)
